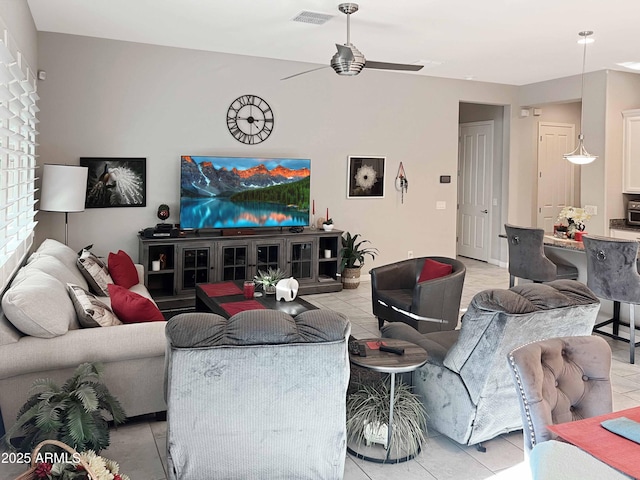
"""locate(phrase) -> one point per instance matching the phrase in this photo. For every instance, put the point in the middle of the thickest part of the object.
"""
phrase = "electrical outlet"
(441, 205)
(410, 254)
(591, 209)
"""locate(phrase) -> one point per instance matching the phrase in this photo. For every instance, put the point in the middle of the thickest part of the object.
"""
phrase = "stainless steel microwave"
(633, 212)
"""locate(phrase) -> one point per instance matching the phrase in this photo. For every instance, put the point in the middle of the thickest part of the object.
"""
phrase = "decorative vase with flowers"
(575, 218)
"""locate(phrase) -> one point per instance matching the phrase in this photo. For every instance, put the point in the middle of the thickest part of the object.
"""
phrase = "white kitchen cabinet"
(625, 234)
(631, 151)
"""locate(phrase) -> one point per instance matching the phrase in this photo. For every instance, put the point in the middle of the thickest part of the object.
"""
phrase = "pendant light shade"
(580, 156)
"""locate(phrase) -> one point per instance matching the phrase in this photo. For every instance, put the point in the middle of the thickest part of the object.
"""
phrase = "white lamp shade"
(64, 188)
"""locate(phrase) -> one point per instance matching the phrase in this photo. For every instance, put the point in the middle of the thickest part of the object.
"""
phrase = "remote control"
(396, 350)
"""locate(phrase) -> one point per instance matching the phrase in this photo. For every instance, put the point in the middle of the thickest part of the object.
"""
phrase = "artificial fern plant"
(76, 413)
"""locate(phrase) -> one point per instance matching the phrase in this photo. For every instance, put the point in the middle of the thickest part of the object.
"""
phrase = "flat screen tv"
(242, 192)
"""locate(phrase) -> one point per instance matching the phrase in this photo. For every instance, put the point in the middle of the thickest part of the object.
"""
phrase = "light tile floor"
(140, 447)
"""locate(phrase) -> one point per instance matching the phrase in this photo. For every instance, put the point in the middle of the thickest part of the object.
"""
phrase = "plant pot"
(351, 278)
(327, 228)
(269, 289)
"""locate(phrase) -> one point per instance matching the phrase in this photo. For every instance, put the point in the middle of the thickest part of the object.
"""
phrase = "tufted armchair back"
(260, 395)
(561, 380)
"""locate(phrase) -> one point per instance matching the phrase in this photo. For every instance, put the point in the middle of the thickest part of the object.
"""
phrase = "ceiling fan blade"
(306, 71)
(393, 66)
(344, 52)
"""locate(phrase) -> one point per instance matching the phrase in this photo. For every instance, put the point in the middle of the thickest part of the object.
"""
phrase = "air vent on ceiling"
(312, 17)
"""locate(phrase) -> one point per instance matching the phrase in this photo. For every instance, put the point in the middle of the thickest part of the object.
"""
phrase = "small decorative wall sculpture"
(402, 184)
(115, 182)
(365, 177)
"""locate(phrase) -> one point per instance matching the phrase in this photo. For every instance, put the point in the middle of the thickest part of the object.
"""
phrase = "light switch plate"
(441, 205)
(591, 209)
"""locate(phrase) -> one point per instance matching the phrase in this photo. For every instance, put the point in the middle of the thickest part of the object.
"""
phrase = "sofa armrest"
(140, 270)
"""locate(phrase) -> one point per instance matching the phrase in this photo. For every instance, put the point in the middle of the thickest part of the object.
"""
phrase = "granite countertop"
(621, 224)
(551, 241)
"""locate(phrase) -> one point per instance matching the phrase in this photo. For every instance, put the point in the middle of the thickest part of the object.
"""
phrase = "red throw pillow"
(122, 270)
(130, 307)
(433, 269)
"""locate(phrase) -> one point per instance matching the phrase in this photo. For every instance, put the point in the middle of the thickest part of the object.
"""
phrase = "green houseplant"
(268, 279)
(76, 413)
(352, 258)
(368, 417)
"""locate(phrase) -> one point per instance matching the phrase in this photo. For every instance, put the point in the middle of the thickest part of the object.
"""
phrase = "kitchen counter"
(621, 224)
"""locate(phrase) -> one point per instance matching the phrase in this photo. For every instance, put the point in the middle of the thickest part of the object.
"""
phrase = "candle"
(313, 208)
(327, 213)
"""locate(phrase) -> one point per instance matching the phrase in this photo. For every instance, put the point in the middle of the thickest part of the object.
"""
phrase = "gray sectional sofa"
(40, 337)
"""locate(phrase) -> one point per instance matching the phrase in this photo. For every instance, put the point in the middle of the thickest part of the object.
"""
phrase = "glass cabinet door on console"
(267, 254)
(195, 266)
(234, 261)
(303, 258)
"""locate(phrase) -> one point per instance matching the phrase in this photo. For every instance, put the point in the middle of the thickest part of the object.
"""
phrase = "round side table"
(386, 362)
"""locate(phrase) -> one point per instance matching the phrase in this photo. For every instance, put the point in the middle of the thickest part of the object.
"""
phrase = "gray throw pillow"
(91, 311)
(95, 272)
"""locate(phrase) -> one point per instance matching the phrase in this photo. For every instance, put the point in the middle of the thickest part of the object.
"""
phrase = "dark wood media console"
(192, 259)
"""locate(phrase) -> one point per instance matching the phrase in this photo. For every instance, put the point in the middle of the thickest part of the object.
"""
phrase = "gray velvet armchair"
(261, 395)
(466, 385)
(429, 306)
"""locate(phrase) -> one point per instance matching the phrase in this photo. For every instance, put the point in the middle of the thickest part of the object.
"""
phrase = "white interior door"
(475, 157)
(557, 177)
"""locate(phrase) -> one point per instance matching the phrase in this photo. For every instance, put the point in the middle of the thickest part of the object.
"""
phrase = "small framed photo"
(365, 178)
(115, 182)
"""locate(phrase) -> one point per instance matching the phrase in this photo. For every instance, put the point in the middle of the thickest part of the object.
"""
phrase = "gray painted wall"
(112, 98)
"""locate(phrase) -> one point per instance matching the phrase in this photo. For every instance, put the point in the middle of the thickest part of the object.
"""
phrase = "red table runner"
(234, 307)
(619, 452)
(220, 289)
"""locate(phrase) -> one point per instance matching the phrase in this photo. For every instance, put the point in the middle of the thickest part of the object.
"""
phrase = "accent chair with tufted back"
(561, 380)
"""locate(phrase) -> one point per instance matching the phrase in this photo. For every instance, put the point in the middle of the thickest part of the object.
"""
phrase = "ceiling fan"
(349, 61)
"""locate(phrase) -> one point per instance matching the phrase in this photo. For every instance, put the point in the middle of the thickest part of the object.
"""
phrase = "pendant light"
(580, 156)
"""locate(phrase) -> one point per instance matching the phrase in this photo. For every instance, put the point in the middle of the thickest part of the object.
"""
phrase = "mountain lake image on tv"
(240, 192)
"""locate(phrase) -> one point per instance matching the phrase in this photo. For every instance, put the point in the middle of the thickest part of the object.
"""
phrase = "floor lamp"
(64, 189)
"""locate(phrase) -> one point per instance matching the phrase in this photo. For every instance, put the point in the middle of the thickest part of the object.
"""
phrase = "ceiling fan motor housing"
(348, 66)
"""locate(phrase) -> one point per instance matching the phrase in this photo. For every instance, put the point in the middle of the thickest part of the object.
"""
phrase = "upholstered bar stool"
(527, 259)
(612, 274)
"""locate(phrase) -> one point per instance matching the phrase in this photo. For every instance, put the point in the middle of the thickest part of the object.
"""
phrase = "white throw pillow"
(39, 306)
(91, 311)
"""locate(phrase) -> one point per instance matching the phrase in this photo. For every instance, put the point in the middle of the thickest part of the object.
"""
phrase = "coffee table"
(227, 299)
(414, 357)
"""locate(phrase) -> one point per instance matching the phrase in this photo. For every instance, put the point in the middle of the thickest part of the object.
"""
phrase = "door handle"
(484, 211)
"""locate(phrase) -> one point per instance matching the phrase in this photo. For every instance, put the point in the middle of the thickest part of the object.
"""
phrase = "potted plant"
(327, 225)
(75, 414)
(352, 259)
(368, 418)
(269, 279)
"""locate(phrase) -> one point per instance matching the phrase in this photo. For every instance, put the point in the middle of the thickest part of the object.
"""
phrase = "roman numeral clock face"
(250, 119)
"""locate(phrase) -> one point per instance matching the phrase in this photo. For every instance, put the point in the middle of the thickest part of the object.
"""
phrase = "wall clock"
(250, 119)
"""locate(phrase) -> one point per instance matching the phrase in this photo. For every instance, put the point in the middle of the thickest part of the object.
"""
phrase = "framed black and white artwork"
(365, 177)
(115, 182)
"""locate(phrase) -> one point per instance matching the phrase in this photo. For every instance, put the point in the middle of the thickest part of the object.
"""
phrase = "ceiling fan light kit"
(580, 156)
